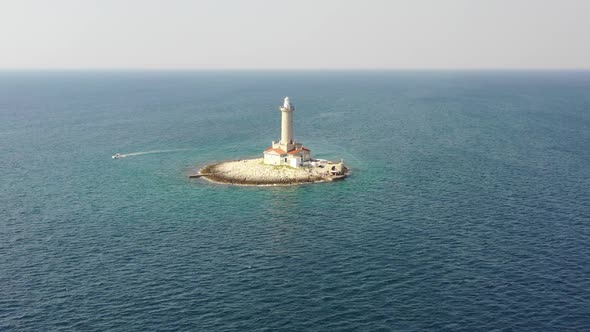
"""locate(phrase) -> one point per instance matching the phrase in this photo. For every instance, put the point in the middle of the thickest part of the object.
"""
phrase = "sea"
(467, 207)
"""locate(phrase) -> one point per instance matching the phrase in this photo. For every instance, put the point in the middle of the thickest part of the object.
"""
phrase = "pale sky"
(289, 34)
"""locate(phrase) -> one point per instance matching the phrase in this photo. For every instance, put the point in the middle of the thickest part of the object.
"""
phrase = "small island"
(286, 162)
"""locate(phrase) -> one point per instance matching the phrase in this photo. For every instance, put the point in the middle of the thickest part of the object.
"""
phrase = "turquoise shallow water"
(468, 207)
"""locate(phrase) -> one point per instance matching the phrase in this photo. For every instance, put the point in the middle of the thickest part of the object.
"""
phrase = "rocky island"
(286, 162)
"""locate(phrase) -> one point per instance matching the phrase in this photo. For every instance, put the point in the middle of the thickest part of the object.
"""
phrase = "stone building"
(287, 151)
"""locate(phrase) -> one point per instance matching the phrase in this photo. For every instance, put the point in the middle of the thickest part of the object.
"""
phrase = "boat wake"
(125, 155)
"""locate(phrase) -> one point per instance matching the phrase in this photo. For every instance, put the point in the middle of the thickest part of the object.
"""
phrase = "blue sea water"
(468, 207)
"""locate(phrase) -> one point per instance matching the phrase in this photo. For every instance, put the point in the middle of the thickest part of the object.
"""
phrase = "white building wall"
(294, 161)
(273, 159)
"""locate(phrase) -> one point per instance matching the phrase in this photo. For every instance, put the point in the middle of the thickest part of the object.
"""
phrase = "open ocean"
(468, 208)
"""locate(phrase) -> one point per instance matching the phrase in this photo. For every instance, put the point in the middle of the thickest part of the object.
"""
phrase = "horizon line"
(131, 69)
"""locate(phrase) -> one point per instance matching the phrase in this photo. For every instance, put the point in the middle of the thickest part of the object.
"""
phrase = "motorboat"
(118, 156)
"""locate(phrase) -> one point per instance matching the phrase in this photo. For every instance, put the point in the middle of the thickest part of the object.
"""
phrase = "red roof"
(279, 151)
(294, 151)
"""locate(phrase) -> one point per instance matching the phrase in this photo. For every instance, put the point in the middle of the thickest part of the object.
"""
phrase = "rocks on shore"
(255, 172)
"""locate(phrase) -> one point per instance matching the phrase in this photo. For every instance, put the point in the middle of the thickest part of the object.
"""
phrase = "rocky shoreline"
(253, 172)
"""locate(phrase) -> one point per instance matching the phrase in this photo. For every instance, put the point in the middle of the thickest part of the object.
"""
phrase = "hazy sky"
(301, 34)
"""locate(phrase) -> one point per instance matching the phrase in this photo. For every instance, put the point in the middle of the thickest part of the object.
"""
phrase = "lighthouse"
(287, 151)
(287, 122)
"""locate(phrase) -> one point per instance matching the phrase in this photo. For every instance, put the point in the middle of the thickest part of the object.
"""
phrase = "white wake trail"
(124, 155)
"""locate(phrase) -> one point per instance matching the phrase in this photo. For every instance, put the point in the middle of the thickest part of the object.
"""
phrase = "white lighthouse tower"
(287, 151)
(287, 123)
